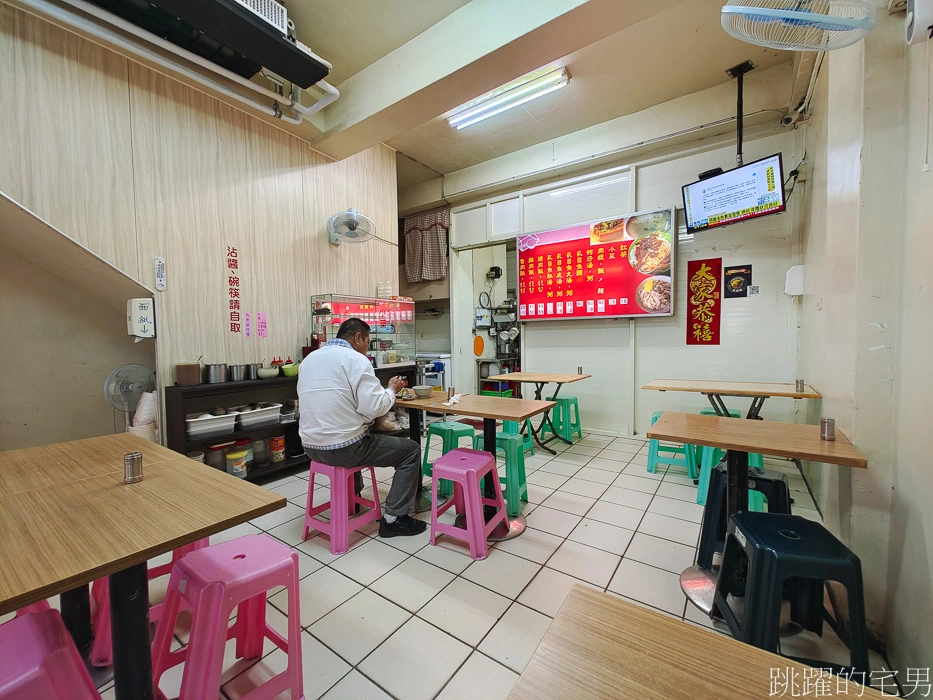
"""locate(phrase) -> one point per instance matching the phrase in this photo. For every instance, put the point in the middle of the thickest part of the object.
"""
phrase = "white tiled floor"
(400, 618)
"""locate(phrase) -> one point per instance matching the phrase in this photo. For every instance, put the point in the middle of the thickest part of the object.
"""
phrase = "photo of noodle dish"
(653, 295)
(651, 253)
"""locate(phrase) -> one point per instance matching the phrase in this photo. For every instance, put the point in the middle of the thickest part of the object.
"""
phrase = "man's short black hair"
(351, 327)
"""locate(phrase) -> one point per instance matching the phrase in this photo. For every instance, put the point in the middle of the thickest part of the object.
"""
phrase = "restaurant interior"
(637, 279)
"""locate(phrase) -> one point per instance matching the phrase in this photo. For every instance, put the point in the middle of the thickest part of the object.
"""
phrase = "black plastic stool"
(777, 548)
(771, 483)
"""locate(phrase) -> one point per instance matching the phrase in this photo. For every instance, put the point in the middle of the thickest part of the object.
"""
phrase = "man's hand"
(396, 384)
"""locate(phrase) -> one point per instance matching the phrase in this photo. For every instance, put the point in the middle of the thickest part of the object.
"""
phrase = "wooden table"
(600, 646)
(714, 390)
(539, 379)
(739, 438)
(67, 519)
(490, 409)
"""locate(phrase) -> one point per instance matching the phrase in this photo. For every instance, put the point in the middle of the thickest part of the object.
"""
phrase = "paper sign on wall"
(738, 280)
(246, 324)
(262, 328)
(704, 302)
(235, 323)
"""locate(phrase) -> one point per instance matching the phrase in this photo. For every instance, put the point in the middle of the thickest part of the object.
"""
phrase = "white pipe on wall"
(63, 17)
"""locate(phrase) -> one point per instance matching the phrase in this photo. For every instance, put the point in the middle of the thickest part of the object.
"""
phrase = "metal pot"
(215, 374)
(238, 373)
(253, 370)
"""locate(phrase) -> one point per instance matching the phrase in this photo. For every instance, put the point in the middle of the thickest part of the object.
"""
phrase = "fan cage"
(799, 25)
(364, 231)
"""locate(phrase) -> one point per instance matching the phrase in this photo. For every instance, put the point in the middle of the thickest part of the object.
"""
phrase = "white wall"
(758, 334)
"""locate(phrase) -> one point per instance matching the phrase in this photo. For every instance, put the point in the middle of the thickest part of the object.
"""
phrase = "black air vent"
(223, 32)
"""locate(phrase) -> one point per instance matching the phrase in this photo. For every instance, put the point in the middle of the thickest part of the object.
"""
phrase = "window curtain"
(426, 244)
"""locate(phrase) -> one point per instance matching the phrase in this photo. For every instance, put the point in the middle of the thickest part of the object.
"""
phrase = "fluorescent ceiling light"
(497, 104)
(592, 186)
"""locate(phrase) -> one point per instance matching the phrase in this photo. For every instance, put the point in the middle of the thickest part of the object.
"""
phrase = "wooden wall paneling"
(65, 134)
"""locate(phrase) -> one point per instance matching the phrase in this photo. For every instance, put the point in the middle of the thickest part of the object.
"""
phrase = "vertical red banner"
(704, 301)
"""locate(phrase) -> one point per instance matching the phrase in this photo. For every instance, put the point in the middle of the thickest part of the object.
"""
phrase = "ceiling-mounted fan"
(799, 25)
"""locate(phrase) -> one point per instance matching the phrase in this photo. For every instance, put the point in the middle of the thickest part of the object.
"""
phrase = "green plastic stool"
(709, 457)
(511, 427)
(566, 418)
(665, 454)
(516, 486)
(450, 433)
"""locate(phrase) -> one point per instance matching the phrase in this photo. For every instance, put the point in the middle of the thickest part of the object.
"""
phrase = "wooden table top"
(76, 520)
(600, 646)
(724, 388)
(538, 378)
(766, 437)
(500, 408)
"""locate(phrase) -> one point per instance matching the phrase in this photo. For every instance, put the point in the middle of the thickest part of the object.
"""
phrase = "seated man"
(339, 396)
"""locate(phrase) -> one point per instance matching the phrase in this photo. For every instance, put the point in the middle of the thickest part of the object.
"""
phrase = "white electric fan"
(350, 227)
(799, 25)
(125, 385)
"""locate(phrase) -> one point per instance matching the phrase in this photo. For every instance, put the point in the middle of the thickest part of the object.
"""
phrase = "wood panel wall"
(136, 165)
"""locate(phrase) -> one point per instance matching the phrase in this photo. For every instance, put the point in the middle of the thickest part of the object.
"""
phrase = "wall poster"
(704, 301)
(738, 281)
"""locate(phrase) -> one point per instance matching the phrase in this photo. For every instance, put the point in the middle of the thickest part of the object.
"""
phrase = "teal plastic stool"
(682, 456)
(450, 433)
(566, 418)
(709, 457)
(511, 427)
(516, 485)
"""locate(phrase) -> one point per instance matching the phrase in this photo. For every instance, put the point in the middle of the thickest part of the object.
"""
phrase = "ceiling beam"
(481, 46)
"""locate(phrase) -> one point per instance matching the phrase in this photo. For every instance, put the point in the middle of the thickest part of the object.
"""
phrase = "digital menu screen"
(601, 269)
(749, 192)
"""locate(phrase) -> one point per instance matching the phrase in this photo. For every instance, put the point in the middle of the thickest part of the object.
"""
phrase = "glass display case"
(392, 323)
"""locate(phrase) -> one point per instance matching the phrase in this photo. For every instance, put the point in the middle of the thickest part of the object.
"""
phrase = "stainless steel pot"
(253, 370)
(215, 374)
(238, 373)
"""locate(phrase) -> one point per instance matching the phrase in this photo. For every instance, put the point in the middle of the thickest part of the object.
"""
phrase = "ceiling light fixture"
(519, 95)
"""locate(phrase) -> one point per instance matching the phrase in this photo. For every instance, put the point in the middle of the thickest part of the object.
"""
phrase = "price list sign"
(600, 269)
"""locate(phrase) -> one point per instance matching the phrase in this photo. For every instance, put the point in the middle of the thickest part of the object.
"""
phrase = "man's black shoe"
(404, 526)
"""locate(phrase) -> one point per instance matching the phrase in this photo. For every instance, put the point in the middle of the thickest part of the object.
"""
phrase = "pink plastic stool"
(41, 606)
(214, 581)
(102, 649)
(466, 469)
(39, 660)
(341, 503)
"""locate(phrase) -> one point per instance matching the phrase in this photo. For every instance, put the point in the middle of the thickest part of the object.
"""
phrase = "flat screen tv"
(749, 192)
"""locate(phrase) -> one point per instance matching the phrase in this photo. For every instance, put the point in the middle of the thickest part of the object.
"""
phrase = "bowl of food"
(268, 372)
(644, 224)
(422, 392)
(653, 295)
(290, 370)
(651, 254)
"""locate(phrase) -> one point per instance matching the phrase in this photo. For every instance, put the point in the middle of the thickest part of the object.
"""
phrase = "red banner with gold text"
(704, 301)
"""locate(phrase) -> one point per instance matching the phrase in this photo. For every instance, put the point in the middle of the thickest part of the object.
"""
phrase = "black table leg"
(129, 613)
(76, 614)
(737, 485)
(546, 420)
(423, 497)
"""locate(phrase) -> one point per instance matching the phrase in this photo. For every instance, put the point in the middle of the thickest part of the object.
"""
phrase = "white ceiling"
(675, 53)
(353, 34)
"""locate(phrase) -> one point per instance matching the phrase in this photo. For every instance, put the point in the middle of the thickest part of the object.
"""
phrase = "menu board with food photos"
(601, 269)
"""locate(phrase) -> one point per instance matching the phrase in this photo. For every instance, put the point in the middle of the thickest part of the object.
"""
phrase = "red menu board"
(601, 269)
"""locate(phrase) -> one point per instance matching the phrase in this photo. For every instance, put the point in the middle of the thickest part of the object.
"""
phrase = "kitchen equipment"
(188, 373)
(216, 373)
(236, 464)
(238, 372)
(266, 414)
(423, 391)
(827, 429)
(253, 370)
(277, 448)
(290, 370)
(132, 467)
(268, 372)
(261, 452)
(201, 426)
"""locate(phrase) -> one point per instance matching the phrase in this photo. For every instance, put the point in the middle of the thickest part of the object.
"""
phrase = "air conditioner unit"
(242, 36)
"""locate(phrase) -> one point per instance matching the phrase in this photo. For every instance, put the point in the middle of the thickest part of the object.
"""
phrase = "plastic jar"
(261, 452)
(277, 448)
(214, 456)
(197, 456)
(244, 445)
(236, 464)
